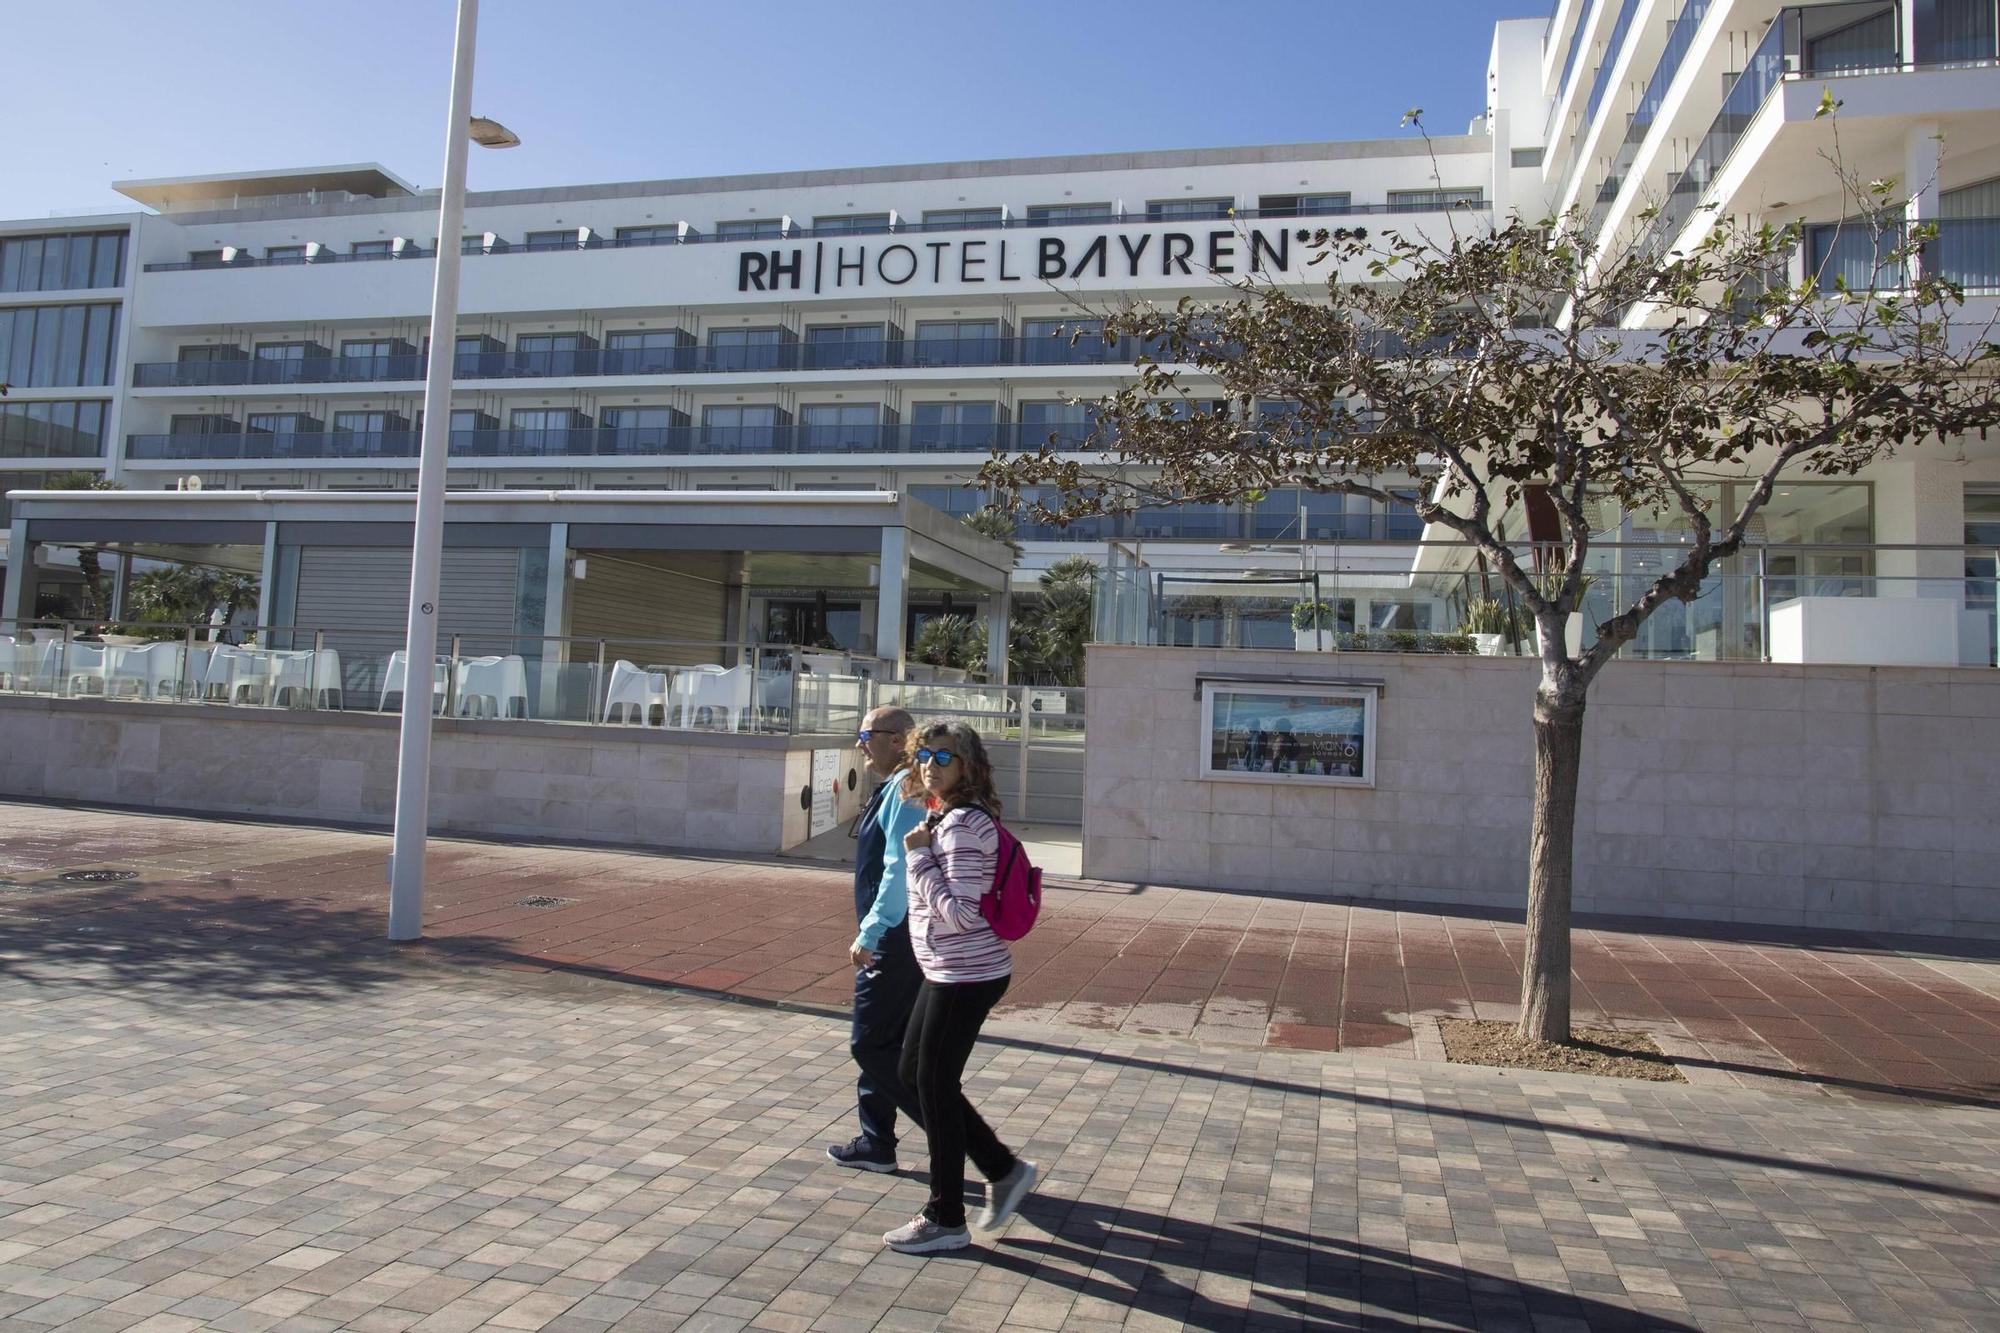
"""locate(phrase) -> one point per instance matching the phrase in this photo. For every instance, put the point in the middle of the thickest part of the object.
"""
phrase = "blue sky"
(604, 90)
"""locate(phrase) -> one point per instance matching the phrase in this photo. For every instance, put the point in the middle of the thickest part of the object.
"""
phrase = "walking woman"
(966, 968)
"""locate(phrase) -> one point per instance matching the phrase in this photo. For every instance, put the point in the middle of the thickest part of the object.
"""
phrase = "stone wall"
(1853, 797)
(629, 785)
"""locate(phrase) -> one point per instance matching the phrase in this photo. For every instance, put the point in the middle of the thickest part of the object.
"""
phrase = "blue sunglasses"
(942, 758)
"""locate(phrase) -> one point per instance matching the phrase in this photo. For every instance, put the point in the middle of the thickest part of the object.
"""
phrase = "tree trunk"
(1551, 855)
(93, 583)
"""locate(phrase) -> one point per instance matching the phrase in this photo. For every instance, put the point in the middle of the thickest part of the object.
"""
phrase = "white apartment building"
(886, 328)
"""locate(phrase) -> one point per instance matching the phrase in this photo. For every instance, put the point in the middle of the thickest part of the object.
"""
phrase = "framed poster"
(1293, 732)
(825, 791)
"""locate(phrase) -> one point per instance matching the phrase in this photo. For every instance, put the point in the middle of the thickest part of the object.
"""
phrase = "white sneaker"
(920, 1235)
(1004, 1195)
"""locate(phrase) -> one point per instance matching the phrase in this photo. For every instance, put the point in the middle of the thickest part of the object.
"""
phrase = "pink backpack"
(1011, 905)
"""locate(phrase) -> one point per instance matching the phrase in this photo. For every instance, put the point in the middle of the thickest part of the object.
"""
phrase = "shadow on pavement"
(1231, 1276)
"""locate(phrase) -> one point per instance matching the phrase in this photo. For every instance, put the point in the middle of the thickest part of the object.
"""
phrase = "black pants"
(883, 997)
(943, 1027)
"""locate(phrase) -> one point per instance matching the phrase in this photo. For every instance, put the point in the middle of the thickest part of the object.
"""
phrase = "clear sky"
(607, 90)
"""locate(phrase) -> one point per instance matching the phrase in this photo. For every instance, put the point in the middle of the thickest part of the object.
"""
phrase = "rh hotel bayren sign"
(883, 262)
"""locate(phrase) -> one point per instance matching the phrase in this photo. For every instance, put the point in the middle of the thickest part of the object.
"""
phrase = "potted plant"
(1312, 626)
(1491, 624)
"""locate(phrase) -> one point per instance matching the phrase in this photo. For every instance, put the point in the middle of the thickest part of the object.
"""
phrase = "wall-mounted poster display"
(1295, 732)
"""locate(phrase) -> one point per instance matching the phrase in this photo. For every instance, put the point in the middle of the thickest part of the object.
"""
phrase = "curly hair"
(975, 787)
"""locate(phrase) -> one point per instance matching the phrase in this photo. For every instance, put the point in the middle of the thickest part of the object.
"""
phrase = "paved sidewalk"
(310, 1138)
(1869, 1017)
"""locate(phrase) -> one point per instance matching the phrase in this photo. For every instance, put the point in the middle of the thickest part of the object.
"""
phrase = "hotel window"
(731, 430)
(946, 219)
(1982, 563)
(1063, 342)
(957, 342)
(1172, 210)
(206, 352)
(285, 254)
(668, 234)
(54, 346)
(840, 428)
(851, 224)
(550, 240)
(747, 349)
(644, 351)
(371, 249)
(643, 430)
(552, 353)
(51, 430)
(204, 258)
(1434, 201)
(476, 245)
(747, 229)
(846, 346)
(947, 426)
(1070, 423)
(367, 423)
(1304, 205)
(368, 347)
(62, 261)
(280, 423)
(1062, 215)
(957, 501)
(1525, 157)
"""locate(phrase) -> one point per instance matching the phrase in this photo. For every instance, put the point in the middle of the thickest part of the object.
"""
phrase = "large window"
(945, 219)
(1061, 215)
(1304, 205)
(1070, 424)
(644, 351)
(1982, 566)
(1064, 342)
(734, 430)
(51, 430)
(1434, 201)
(551, 353)
(371, 249)
(957, 501)
(948, 426)
(1174, 210)
(846, 346)
(285, 254)
(665, 234)
(957, 342)
(851, 224)
(747, 349)
(749, 229)
(57, 345)
(551, 240)
(62, 261)
(830, 428)
(642, 430)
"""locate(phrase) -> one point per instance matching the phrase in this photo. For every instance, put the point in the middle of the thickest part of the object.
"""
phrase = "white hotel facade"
(885, 328)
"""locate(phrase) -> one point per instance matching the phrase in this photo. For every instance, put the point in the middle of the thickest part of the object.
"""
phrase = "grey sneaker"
(863, 1155)
(1004, 1195)
(923, 1236)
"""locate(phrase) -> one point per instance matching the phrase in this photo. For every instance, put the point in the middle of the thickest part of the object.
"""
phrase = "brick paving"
(258, 1136)
(1862, 1016)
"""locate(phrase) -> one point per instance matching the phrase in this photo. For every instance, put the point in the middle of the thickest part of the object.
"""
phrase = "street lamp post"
(413, 756)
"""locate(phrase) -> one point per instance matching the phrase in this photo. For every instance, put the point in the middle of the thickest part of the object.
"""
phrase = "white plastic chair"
(77, 667)
(489, 686)
(147, 670)
(397, 672)
(633, 692)
(16, 660)
(307, 672)
(716, 689)
(238, 675)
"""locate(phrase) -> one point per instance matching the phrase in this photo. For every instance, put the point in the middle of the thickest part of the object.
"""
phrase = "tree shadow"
(154, 947)
(1237, 1275)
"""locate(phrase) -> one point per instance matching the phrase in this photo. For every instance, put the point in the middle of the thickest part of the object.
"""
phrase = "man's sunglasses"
(861, 736)
(942, 758)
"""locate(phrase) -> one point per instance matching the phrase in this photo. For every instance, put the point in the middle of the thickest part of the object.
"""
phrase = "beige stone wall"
(520, 779)
(1828, 796)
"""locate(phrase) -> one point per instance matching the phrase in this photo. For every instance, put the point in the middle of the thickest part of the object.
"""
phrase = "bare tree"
(1496, 365)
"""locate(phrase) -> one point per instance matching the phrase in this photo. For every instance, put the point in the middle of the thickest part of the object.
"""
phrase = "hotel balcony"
(692, 441)
(900, 354)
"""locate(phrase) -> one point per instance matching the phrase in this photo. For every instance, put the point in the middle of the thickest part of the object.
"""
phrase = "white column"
(1921, 151)
(998, 605)
(267, 578)
(413, 758)
(555, 616)
(892, 595)
(20, 571)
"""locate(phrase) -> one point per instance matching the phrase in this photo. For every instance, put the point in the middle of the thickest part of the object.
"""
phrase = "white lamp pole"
(413, 758)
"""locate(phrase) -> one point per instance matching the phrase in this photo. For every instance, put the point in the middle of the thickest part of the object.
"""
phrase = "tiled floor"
(1874, 1017)
(261, 1127)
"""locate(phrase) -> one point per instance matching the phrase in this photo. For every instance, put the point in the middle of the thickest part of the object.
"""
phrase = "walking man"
(886, 977)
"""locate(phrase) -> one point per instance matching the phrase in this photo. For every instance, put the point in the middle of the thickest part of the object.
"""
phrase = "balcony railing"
(610, 442)
(903, 353)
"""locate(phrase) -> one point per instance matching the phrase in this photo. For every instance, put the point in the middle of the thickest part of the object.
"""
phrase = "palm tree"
(996, 525)
(951, 641)
(94, 603)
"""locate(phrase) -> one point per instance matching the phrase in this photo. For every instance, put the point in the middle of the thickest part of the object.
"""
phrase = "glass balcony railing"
(903, 353)
(692, 441)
